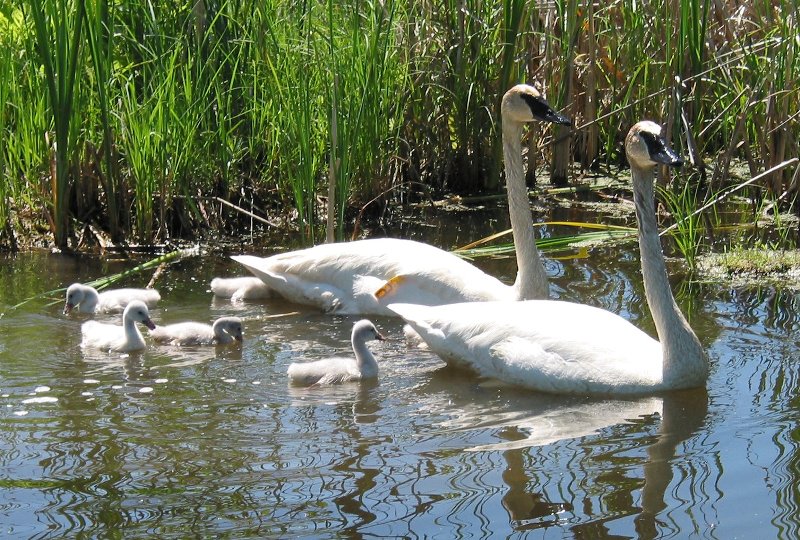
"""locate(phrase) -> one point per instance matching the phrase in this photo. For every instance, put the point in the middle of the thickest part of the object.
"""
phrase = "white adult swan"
(342, 277)
(345, 369)
(224, 331)
(240, 288)
(88, 300)
(561, 347)
(125, 338)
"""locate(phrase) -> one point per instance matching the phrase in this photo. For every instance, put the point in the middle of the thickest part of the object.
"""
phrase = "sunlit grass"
(153, 106)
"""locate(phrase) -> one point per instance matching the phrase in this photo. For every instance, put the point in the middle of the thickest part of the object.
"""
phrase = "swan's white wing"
(545, 345)
(342, 277)
(301, 281)
(433, 287)
(100, 335)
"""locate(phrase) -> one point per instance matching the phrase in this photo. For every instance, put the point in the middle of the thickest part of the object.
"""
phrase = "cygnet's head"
(364, 330)
(524, 103)
(136, 310)
(646, 148)
(231, 326)
(75, 295)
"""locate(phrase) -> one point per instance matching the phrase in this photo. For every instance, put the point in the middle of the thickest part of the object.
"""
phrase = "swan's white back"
(342, 277)
(546, 345)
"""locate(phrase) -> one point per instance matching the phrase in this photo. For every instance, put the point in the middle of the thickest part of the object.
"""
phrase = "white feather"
(240, 288)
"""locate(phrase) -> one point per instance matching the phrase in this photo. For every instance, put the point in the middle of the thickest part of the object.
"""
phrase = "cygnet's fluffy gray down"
(225, 330)
(341, 369)
(87, 300)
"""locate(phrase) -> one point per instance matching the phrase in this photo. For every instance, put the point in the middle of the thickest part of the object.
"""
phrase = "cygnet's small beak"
(149, 324)
(379, 336)
(68, 308)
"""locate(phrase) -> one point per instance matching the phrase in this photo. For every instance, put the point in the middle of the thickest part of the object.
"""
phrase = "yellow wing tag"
(390, 285)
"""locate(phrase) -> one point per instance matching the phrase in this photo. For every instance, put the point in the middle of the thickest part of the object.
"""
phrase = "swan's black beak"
(542, 110)
(659, 150)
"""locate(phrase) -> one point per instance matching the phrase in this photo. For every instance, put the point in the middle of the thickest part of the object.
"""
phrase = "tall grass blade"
(58, 28)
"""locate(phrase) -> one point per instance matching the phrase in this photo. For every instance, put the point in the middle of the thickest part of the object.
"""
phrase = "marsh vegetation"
(145, 122)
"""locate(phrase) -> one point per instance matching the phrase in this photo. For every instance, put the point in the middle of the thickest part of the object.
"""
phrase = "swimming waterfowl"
(564, 347)
(344, 277)
(341, 369)
(240, 288)
(225, 330)
(125, 338)
(87, 300)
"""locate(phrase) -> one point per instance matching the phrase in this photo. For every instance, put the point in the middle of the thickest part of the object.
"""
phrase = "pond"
(199, 442)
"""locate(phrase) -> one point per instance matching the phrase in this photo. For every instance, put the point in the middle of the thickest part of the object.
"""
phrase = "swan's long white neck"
(364, 358)
(531, 282)
(685, 363)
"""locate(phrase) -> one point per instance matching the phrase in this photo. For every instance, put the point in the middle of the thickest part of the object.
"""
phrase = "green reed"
(24, 149)
(58, 26)
(263, 104)
(6, 186)
(363, 105)
(688, 231)
(100, 40)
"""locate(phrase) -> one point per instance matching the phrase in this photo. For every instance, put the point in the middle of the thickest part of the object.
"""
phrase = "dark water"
(201, 442)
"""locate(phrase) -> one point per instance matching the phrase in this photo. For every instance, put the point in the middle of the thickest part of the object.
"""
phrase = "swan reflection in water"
(604, 474)
(566, 454)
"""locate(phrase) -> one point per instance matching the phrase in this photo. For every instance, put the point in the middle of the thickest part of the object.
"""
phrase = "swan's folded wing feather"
(102, 335)
(441, 285)
(547, 345)
(325, 371)
(557, 368)
(240, 288)
(349, 273)
(308, 288)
